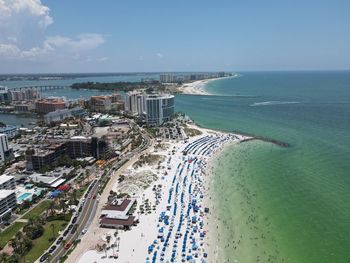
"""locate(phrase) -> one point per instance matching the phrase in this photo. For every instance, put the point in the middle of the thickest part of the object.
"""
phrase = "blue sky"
(129, 36)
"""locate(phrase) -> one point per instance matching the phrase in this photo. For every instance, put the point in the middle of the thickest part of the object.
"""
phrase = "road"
(89, 240)
(91, 206)
(88, 208)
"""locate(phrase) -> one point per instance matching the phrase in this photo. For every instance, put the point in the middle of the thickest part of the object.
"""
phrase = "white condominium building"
(135, 103)
(7, 202)
(4, 147)
(7, 182)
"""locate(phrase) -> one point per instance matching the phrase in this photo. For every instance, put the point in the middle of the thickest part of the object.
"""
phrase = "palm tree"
(18, 244)
(73, 197)
(87, 173)
(4, 257)
(104, 246)
(63, 206)
(50, 209)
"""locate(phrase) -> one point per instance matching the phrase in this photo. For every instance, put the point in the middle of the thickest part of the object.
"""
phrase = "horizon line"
(177, 72)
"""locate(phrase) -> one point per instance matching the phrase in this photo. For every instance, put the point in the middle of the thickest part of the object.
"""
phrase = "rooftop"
(118, 205)
(5, 178)
(159, 96)
(5, 193)
(118, 222)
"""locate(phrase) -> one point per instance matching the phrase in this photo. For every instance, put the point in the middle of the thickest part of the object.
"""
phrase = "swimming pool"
(23, 196)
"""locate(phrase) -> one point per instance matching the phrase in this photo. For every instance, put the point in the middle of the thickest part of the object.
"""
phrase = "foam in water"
(267, 103)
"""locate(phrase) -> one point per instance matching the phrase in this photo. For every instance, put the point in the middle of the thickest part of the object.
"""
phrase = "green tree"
(52, 226)
(6, 217)
(63, 207)
(20, 244)
(33, 229)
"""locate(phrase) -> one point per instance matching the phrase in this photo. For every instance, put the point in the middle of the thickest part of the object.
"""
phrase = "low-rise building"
(76, 147)
(10, 130)
(52, 181)
(24, 107)
(107, 103)
(60, 115)
(101, 103)
(45, 106)
(57, 115)
(115, 214)
(24, 94)
(39, 158)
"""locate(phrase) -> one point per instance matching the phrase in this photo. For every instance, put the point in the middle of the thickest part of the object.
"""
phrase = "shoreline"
(197, 173)
(198, 87)
(215, 253)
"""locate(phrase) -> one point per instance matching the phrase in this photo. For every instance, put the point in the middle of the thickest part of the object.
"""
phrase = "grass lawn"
(82, 190)
(9, 232)
(192, 132)
(42, 243)
(38, 210)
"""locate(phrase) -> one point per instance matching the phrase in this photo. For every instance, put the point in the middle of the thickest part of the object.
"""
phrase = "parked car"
(52, 249)
(59, 241)
(44, 257)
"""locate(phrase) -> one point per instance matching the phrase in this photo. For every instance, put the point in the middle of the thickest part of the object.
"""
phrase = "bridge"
(41, 87)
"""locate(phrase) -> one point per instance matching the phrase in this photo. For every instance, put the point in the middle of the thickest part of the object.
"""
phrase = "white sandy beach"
(197, 87)
(177, 229)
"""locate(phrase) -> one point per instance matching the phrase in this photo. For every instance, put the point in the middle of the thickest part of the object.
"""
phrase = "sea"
(281, 204)
(274, 203)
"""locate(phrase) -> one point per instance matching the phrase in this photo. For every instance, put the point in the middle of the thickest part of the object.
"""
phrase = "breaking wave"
(267, 103)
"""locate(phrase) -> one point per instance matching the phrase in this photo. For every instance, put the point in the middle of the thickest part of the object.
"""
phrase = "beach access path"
(94, 231)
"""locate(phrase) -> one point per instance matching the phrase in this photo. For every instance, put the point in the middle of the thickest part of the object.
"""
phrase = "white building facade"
(135, 103)
(159, 108)
(7, 202)
(4, 147)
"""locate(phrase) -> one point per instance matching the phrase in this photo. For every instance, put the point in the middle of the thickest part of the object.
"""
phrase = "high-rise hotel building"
(154, 108)
(159, 108)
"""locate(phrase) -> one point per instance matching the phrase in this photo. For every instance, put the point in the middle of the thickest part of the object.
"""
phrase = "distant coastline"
(198, 87)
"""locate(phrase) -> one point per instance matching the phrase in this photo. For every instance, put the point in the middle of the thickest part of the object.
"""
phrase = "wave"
(267, 103)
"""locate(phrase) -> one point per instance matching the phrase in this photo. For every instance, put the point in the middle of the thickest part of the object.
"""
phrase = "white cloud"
(81, 43)
(160, 55)
(22, 33)
(102, 59)
(23, 20)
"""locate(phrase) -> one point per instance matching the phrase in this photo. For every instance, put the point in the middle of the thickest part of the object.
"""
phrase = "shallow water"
(289, 204)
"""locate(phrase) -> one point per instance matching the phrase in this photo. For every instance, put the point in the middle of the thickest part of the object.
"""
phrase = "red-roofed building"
(64, 187)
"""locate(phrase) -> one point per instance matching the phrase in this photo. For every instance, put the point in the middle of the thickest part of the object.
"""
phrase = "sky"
(65, 36)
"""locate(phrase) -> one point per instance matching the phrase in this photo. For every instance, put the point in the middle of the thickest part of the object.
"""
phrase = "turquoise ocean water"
(275, 204)
(281, 204)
